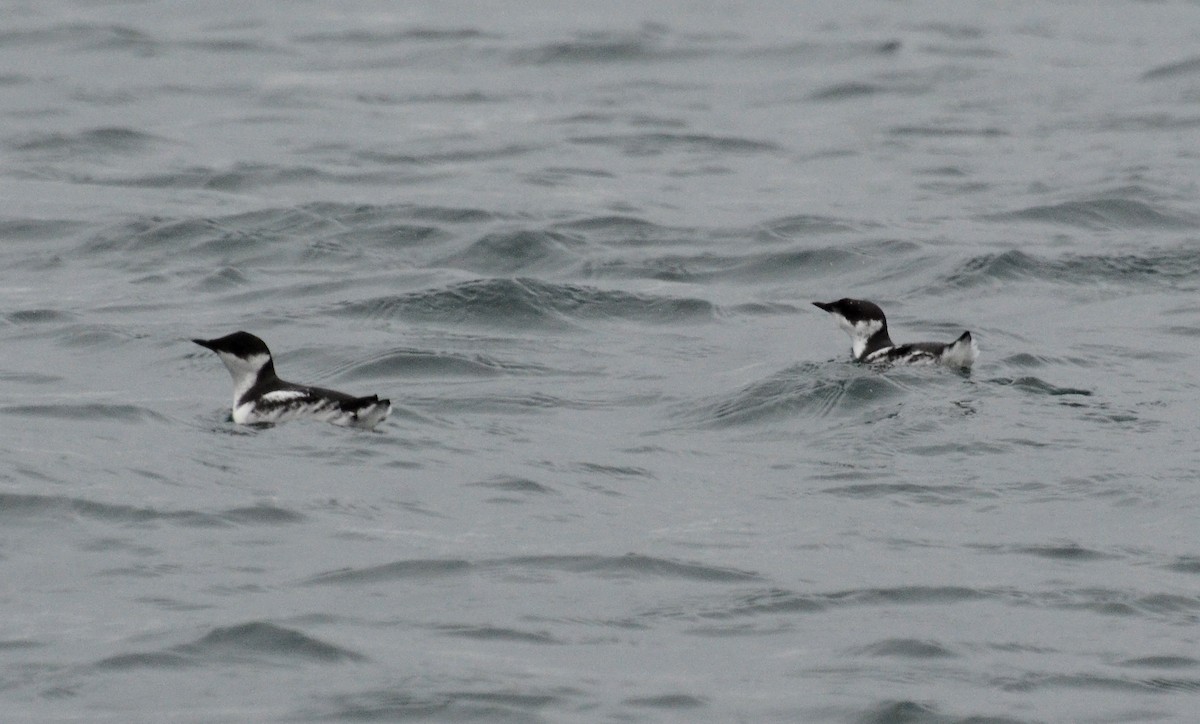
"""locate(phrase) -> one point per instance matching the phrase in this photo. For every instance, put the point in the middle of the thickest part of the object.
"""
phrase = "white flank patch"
(283, 395)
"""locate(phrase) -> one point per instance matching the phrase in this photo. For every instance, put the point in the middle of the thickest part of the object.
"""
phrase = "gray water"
(631, 474)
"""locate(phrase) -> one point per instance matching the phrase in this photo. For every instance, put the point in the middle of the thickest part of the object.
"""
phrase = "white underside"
(366, 418)
(960, 355)
(860, 333)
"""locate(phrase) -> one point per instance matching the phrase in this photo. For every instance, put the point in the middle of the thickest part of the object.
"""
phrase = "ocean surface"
(631, 474)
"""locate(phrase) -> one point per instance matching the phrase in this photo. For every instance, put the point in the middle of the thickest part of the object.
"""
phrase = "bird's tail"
(962, 352)
(369, 411)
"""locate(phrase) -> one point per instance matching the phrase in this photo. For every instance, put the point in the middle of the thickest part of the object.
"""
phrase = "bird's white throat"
(860, 332)
(244, 371)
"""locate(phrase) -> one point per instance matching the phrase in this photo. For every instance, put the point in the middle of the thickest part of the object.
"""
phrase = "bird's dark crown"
(239, 344)
(854, 310)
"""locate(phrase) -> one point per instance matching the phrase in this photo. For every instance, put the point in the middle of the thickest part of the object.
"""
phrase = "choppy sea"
(631, 474)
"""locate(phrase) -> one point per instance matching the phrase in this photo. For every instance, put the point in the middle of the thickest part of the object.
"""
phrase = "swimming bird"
(869, 340)
(260, 397)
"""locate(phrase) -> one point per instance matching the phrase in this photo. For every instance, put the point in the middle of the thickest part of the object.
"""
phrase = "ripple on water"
(391, 36)
(1185, 564)
(668, 701)
(398, 703)
(1025, 359)
(805, 389)
(1104, 213)
(628, 231)
(523, 251)
(774, 602)
(511, 484)
(806, 225)
(1181, 68)
(92, 142)
(768, 261)
(918, 493)
(908, 649)
(1155, 266)
(15, 507)
(223, 279)
(654, 144)
(1038, 386)
(523, 303)
(627, 566)
(846, 91)
(424, 363)
(18, 229)
(780, 601)
(1067, 552)
(771, 265)
(277, 235)
(647, 46)
(257, 642)
(1116, 684)
(86, 412)
(905, 711)
(25, 317)
(497, 633)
